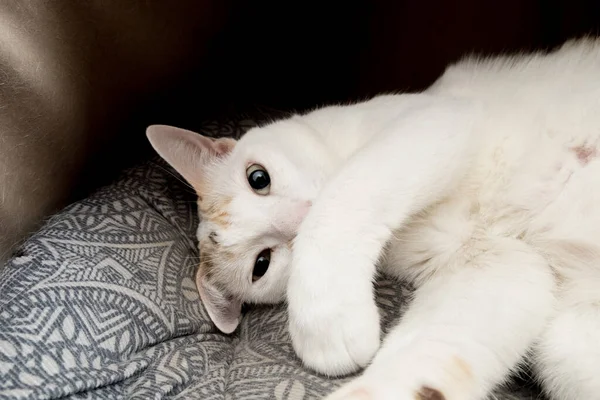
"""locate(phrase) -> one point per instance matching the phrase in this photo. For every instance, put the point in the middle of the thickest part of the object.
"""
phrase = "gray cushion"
(101, 304)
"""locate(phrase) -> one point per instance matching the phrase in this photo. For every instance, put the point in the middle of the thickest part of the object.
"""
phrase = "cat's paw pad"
(372, 388)
(337, 343)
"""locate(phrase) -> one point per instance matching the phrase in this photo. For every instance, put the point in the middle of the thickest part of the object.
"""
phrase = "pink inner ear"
(224, 310)
(186, 151)
(216, 146)
(224, 145)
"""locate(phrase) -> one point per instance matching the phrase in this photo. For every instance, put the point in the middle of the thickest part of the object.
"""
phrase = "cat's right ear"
(224, 310)
(186, 151)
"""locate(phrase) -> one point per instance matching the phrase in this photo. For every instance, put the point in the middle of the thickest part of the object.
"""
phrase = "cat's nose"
(304, 209)
(288, 219)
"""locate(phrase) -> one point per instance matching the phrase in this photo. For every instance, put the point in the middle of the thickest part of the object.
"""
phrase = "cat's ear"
(224, 310)
(186, 151)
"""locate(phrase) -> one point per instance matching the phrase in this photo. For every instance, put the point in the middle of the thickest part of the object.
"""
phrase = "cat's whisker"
(176, 176)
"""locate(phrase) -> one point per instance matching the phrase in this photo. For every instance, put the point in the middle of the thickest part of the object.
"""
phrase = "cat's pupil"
(259, 179)
(262, 264)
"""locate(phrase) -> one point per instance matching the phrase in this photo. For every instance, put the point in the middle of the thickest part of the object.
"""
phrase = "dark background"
(295, 55)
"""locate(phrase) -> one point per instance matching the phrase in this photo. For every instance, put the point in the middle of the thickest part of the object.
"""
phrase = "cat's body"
(482, 191)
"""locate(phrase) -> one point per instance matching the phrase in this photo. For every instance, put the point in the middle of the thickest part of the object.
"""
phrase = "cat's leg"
(465, 330)
(567, 358)
(418, 159)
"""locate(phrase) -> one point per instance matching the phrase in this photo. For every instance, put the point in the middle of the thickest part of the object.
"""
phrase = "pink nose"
(288, 224)
(299, 214)
(305, 207)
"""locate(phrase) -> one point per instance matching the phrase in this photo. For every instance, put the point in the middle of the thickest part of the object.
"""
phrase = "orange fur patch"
(214, 211)
(211, 255)
(461, 365)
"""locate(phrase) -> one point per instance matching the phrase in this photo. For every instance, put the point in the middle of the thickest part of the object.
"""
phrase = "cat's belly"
(548, 195)
(555, 194)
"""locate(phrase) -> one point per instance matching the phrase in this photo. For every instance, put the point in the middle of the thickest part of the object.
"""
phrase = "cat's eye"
(261, 265)
(259, 179)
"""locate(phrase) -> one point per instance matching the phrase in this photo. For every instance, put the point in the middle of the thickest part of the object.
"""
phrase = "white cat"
(483, 191)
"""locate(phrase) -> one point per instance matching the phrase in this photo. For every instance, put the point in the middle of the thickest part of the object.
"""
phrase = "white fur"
(483, 191)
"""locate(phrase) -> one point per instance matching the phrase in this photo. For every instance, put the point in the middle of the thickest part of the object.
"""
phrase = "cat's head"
(252, 195)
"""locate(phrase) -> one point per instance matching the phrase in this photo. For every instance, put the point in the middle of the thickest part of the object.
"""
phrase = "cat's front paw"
(336, 343)
(334, 326)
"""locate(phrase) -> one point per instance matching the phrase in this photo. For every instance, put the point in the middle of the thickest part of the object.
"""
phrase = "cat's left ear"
(188, 152)
(224, 310)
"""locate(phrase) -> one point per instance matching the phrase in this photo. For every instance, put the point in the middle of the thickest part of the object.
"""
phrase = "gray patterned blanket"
(101, 304)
